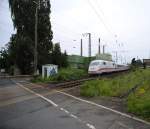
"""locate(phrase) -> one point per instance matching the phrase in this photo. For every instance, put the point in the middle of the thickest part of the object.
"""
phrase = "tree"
(56, 55)
(59, 58)
(64, 62)
(139, 62)
(136, 64)
(4, 59)
(23, 17)
(133, 62)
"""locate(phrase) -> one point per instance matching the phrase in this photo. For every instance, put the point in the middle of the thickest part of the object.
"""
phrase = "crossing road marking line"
(90, 126)
(92, 103)
(89, 102)
(54, 104)
(109, 109)
(21, 99)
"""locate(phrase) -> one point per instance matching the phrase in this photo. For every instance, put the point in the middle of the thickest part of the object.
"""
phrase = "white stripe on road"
(55, 105)
(89, 102)
(90, 126)
(101, 106)
(75, 117)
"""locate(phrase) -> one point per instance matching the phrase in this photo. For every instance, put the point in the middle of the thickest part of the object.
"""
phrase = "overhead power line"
(99, 7)
(102, 12)
(65, 28)
(99, 17)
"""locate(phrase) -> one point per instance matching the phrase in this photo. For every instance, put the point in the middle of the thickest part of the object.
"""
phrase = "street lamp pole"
(36, 39)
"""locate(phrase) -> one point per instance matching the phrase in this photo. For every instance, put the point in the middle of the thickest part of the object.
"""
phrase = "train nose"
(92, 69)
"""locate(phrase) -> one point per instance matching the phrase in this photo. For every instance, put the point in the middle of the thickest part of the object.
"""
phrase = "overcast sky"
(129, 20)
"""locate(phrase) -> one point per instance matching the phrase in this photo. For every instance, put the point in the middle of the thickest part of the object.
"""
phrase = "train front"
(93, 68)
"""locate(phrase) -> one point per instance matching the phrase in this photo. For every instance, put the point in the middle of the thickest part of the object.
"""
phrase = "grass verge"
(138, 102)
(67, 74)
(115, 86)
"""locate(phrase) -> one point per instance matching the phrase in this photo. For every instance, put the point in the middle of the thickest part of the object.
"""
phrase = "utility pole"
(116, 56)
(89, 35)
(36, 38)
(99, 47)
(90, 45)
(103, 49)
(81, 48)
(35, 48)
(121, 59)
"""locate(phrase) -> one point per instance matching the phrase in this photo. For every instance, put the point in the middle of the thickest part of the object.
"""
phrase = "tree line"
(19, 52)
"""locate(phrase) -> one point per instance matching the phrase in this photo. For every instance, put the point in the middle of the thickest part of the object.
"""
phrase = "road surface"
(27, 106)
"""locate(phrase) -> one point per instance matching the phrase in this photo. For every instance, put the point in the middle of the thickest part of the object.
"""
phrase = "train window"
(104, 63)
(95, 63)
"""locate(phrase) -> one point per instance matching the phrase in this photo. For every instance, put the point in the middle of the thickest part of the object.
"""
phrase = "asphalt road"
(27, 106)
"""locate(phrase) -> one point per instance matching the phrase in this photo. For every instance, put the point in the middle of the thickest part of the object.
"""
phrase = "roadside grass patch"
(65, 74)
(115, 86)
(139, 101)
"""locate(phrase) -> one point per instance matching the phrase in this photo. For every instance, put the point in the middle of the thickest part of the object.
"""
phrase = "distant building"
(105, 56)
(76, 61)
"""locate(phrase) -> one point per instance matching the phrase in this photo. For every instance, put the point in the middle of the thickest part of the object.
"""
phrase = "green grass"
(66, 74)
(138, 102)
(116, 86)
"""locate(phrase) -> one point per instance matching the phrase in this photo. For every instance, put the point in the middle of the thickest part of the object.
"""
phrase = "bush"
(116, 86)
(67, 74)
(139, 102)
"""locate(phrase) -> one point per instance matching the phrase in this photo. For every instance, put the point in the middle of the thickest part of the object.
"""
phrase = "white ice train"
(103, 66)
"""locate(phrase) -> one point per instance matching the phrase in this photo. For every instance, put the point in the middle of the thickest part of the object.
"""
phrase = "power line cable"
(63, 34)
(99, 7)
(102, 12)
(99, 17)
(56, 25)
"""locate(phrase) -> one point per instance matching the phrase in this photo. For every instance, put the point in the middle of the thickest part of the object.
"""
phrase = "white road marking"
(64, 110)
(22, 98)
(48, 100)
(75, 117)
(90, 126)
(101, 106)
(55, 105)
(89, 102)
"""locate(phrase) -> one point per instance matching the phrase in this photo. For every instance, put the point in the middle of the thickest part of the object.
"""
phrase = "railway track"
(74, 83)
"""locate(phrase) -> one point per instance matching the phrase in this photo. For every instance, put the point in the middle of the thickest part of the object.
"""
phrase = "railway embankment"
(133, 88)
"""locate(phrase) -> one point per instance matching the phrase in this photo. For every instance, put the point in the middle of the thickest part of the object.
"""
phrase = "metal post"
(89, 45)
(81, 48)
(116, 57)
(99, 47)
(103, 49)
(35, 47)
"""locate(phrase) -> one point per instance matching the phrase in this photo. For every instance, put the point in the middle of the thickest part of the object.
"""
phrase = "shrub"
(139, 102)
(115, 86)
(67, 74)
